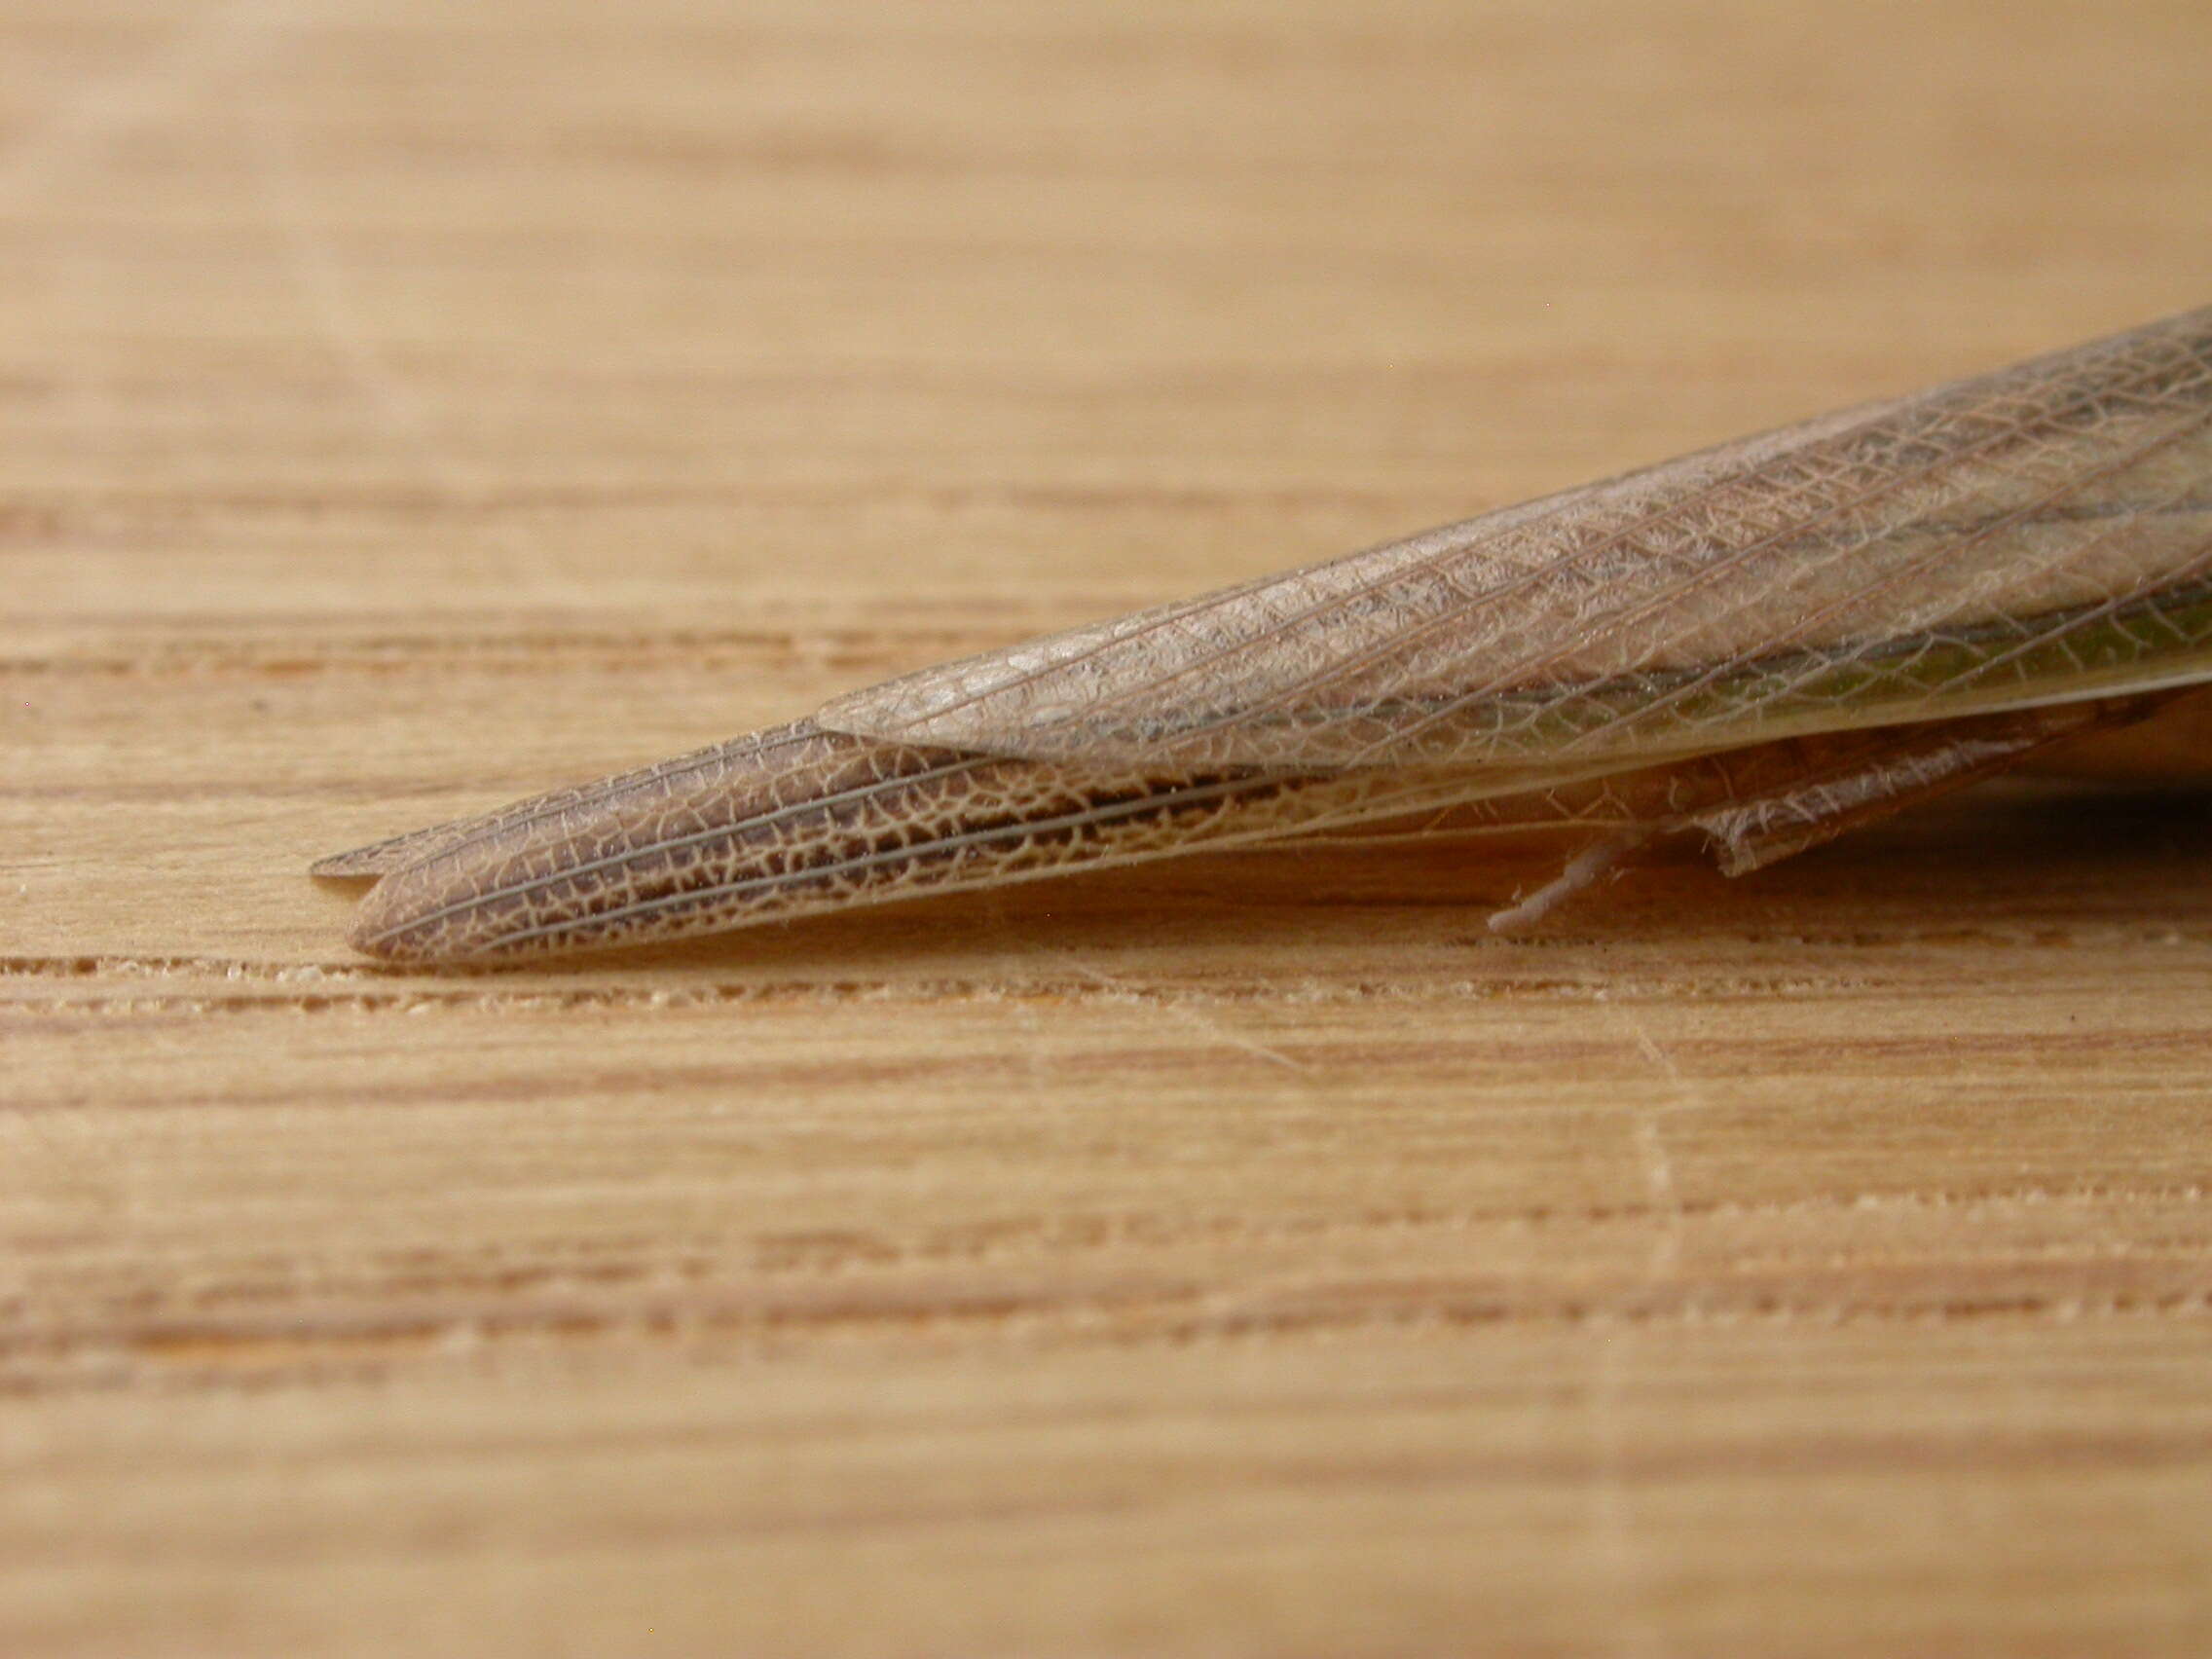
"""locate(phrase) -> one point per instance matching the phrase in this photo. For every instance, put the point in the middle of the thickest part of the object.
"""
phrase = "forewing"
(2033, 535)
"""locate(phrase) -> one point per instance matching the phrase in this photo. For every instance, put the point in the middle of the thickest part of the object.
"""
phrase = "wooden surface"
(407, 406)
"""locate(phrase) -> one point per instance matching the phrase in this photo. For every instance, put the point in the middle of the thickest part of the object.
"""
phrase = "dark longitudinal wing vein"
(461, 834)
(803, 820)
(1939, 518)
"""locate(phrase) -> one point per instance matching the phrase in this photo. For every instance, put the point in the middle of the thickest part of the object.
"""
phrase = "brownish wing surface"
(2034, 535)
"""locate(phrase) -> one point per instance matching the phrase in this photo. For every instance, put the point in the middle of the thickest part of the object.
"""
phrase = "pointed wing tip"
(1030, 701)
(972, 716)
(898, 711)
(390, 927)
(361, 864)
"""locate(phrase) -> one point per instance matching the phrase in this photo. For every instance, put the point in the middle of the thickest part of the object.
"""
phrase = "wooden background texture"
(406, 406)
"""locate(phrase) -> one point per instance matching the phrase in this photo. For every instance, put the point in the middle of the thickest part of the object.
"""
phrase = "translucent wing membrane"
(796, 820)
(523, 818)
(2036, 535)
(1765, 643)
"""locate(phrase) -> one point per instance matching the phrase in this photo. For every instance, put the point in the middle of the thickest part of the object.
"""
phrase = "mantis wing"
(2037, 536)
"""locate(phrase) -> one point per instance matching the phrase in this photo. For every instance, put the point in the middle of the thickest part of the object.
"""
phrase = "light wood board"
(408, 406)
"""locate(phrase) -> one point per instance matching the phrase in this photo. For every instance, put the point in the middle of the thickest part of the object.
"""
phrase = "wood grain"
(403, 408)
